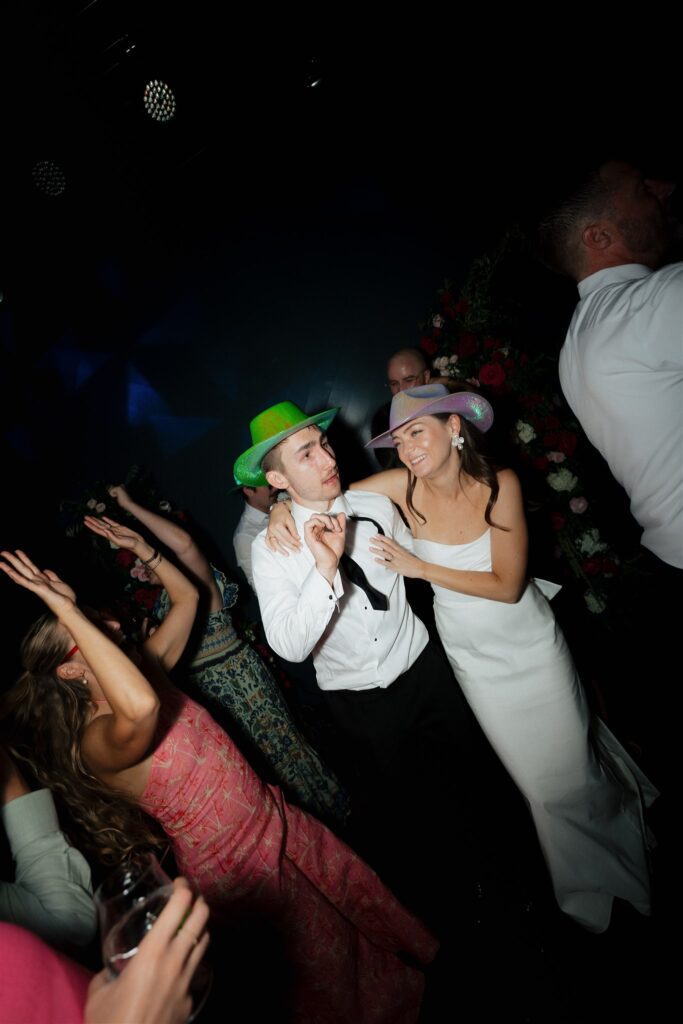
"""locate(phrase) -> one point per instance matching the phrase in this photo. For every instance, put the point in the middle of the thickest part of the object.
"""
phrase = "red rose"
(552, 423)
(532, 400)
(509, 364)
(497, 357)
(467, 344)
(125, 558)
(429, 346)
(609, 567)
(492, 374)
(567, 442)
(541, 463)
(446, 298)
(592, 566)
(492, 343)
(551, 440)
(461, 306)
(557, 521)
(146, 596)
(524, 358)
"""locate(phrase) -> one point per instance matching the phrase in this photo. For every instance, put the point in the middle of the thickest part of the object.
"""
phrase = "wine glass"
(124, 937)
(124, 886)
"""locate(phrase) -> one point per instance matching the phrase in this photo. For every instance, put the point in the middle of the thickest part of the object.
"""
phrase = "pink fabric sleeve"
(37, 984)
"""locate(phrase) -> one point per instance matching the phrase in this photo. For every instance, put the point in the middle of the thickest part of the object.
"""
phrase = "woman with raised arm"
(83, 711)
(506, 649)
(232, 679)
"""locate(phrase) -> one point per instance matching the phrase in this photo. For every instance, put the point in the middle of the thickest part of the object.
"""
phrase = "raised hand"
(392, 556)
(45, 584)
(121, 536)
(120, 494)
(325, 536)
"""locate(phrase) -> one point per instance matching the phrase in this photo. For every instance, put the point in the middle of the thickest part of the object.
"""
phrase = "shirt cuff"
(28, 818)
(317, 590)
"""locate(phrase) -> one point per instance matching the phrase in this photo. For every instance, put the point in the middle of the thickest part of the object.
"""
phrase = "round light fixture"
(49, 178)
(159, 100)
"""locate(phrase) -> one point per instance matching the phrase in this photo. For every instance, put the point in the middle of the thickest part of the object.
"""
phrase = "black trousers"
(418, 724)
(431, 802)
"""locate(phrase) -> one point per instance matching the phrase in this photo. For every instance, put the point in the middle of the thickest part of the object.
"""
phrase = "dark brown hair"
(475, 462)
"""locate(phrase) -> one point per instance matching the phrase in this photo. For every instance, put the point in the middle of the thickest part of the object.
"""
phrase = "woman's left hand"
(393, 556)
(121, 536)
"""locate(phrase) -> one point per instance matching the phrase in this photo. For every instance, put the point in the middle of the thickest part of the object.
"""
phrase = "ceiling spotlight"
(48, 178)
(159, 101)
(312, 77)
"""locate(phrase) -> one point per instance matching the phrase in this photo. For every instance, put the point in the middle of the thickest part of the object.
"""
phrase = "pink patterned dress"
(251, 854)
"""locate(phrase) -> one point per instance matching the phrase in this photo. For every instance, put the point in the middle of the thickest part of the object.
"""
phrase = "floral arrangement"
(468, 338)
(123, 572)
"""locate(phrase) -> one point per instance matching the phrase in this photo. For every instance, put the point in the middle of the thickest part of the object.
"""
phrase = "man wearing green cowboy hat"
(388, 690)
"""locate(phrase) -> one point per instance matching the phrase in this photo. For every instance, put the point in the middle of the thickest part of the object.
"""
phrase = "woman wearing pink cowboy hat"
(507, 651)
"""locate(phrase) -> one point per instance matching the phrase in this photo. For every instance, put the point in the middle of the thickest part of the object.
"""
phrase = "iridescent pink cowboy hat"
(428, 400)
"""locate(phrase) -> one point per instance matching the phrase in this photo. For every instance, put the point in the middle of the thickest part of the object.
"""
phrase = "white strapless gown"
(585, 793)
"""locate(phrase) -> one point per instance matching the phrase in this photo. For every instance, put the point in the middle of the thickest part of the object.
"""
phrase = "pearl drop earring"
(457, 442)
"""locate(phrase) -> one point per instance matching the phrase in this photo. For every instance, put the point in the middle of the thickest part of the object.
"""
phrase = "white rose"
(589, 543)
(452, 360)
(441, 364)
(438, 321)
(556, 456)
(525, 432)
(595, 604)
(100, 507)
(92, 503)
(562, 480)
(165, 506)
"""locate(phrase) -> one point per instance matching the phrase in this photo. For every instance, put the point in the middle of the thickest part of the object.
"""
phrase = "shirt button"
(330, 596)
(375, 639)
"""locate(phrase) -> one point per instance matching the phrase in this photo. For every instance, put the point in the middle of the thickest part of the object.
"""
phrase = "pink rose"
(578, 505)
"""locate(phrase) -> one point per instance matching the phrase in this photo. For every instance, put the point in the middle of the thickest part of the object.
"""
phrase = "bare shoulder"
(391, 483)
(508, 483)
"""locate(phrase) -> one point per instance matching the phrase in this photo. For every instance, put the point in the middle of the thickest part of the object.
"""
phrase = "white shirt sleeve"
(295, 615)
(242, 544)
(52, 892)
(400, 532)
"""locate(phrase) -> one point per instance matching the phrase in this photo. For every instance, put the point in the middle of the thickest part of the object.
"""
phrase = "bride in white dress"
(508, 653)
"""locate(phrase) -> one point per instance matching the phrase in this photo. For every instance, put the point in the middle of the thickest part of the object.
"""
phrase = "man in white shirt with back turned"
(621, 366)
(621, 370)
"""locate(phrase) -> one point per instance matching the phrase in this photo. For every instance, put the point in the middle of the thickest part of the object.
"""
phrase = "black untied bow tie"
(355, 574)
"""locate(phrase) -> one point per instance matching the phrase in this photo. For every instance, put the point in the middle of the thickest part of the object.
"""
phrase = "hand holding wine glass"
(154, 987)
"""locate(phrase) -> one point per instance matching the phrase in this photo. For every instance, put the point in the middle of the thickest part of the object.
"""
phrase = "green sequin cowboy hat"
(267, 430)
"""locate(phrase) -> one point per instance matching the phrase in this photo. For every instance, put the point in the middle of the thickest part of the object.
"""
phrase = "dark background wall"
(279, 238)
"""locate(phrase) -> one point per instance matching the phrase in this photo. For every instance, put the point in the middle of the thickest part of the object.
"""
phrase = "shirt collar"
(301, 514)
(612, 275)
(254, 515)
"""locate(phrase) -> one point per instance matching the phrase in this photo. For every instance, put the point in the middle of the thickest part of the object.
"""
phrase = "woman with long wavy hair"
(507, 652)
(250, 855)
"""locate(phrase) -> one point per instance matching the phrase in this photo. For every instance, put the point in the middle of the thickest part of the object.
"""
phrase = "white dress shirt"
(354, 646)
(252, 521)
(51, 894)
(621, 370)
